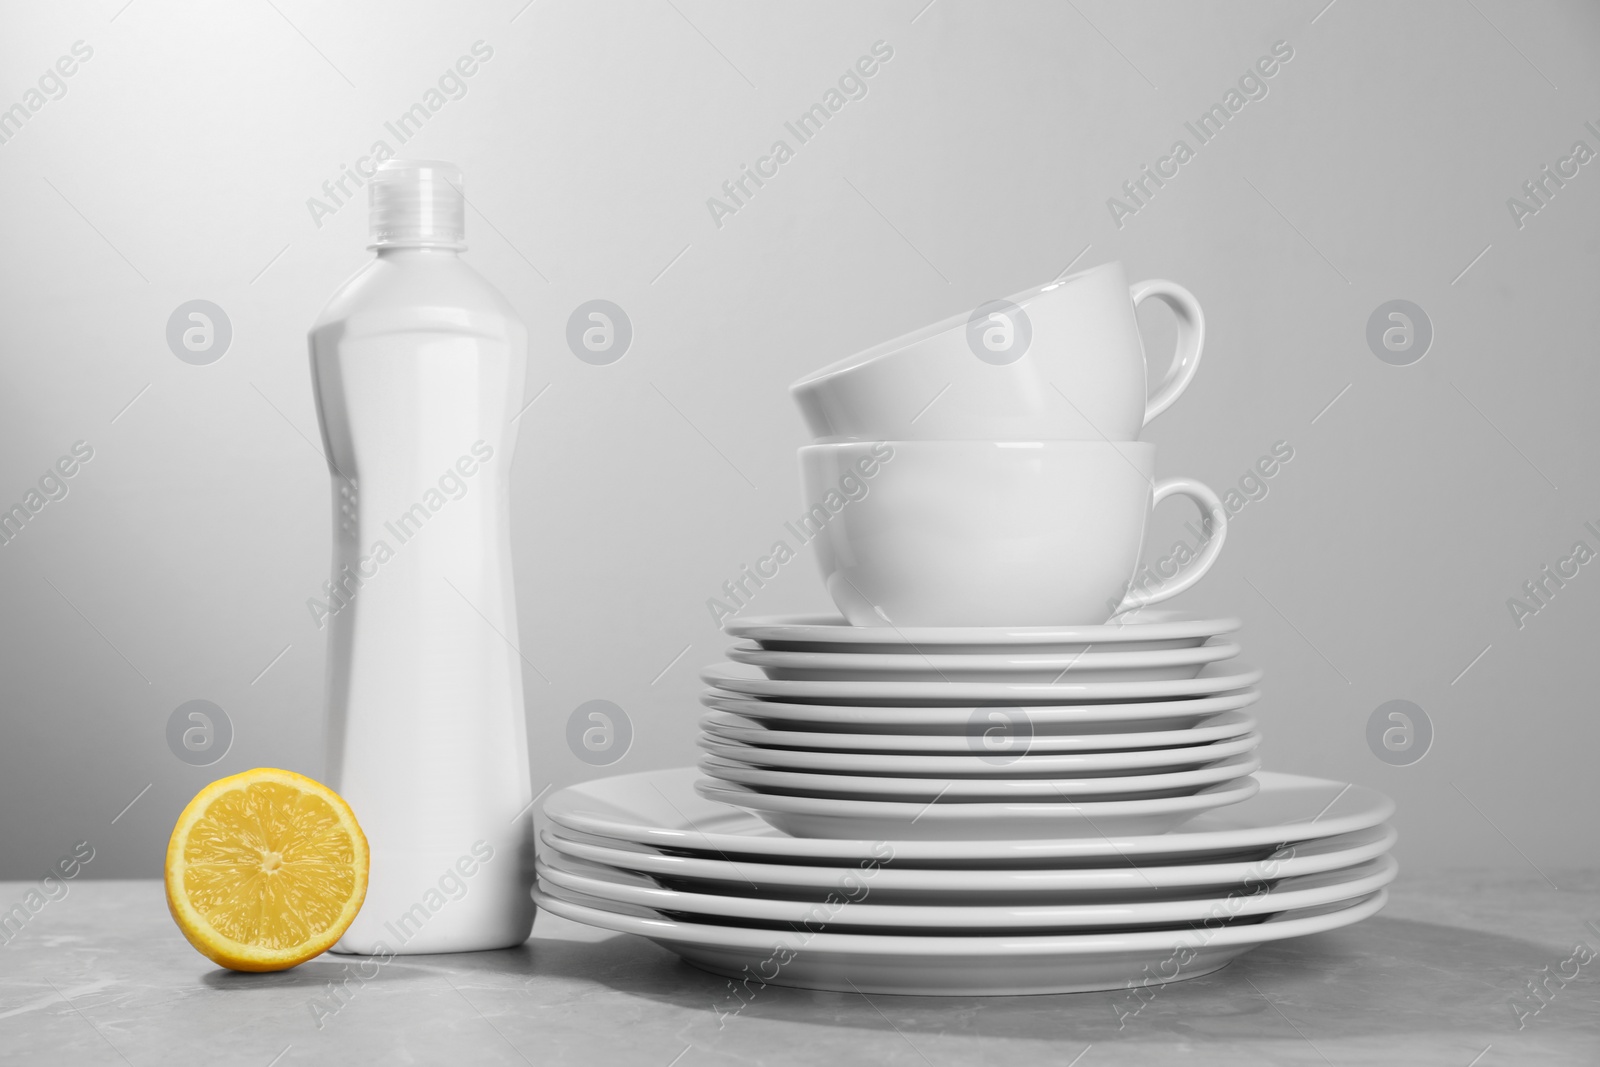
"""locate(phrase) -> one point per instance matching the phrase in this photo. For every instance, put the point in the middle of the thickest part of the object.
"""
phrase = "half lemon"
(265, 870)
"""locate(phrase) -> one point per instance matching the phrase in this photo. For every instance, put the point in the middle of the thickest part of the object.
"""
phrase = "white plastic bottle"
(418, 365)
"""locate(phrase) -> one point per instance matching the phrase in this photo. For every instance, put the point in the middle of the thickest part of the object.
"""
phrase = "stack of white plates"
(825, 729)
(970, 811)
(647, 854)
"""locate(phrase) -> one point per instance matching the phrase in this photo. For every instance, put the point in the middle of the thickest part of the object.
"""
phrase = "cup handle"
(1191, 340)
(1215, 520)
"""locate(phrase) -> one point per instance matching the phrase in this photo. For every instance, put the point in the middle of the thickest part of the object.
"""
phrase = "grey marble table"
(1440, 977)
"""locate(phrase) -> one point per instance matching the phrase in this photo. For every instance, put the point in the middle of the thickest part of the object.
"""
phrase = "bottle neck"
(416, 252)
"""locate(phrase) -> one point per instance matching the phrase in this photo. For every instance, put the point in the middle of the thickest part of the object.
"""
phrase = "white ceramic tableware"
(892, 882)
(1065, 787)
(987, 820)
(863, 910)
(1149, 628)
(1128, 666)
(978, 761)
(1062, 360)
(998, 533)
(1071, 719)
(1000, 736)
(747, 681)
(663, 810)
(922, 965)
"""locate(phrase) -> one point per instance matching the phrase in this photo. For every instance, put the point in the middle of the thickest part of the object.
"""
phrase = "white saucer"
(727, 726)
(891, 881)
(661, 809)
(982, 820)
(1175, 714)
(741, 678)
(862, 912)
(850, 665)
(957, 966)
(1152, 628)
(976, 763)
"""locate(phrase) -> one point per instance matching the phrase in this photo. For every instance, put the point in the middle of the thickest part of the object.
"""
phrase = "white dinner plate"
(1017, 734)
(1016, 759)
(1151, 628)
(850, 665)
(860, 910)
(982, 820)
(892, 882)
(662, 810)
(957, 966)
(749, 681)
(1175, 714)
(1083, 789)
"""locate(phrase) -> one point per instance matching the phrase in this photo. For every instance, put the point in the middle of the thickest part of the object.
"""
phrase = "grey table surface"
(102, 976)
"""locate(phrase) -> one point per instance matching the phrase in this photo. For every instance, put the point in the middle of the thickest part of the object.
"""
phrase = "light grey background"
(178, 165)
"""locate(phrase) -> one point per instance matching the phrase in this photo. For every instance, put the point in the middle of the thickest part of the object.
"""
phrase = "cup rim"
(906, 340)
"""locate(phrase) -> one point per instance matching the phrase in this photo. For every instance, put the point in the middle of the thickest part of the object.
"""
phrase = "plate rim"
(1229, 768)
(999, 662)
(1373, 874)
(1175, 756)
(910, 946)
(1095, 879)
(1182, 840)
(709, 724)
(965, 812)
(1127, 711)
(819, 628)
(716, 675)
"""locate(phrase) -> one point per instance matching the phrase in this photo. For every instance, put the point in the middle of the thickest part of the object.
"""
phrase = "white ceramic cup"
(1062, 361)
(984, 533)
